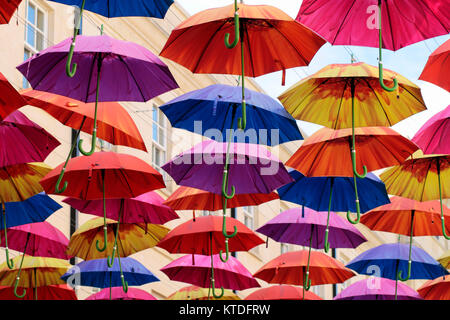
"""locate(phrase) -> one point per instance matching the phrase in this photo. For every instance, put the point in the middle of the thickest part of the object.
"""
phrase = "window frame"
(155, 142)
(44, 32)
(249, 212)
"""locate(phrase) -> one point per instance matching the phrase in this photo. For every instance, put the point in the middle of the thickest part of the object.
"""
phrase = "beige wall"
(152, 34)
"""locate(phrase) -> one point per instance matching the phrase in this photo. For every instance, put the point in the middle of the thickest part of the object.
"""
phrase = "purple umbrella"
(307, 227)
(124, 71)
(375, 288)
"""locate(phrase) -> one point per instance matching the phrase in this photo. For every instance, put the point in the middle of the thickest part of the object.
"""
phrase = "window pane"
(39, 41)
(155, 114)
(161, 121)
(155, 133)
(40, 20)
(31, 13)
(162, 137)
(31, 36)
(26, 55)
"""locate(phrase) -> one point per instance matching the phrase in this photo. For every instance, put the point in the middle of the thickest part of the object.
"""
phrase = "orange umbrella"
(438, 64)
(198, 293)
(407, 217)
(282, 292)
(437, 289)
(187, 198)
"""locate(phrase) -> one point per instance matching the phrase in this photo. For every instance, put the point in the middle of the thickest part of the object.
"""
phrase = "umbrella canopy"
(111, 9)
(436, 66)
(186, 198)
(445, 259)
(290, 268)
(133, 237)
(282, 292)
(230, 275)
(310, 191)
(34, 209)
(197, 293)
(125, 175)
(375, 288)
(24, 141)
(118, 294)
(38, 239)
(97, 273)
(114, 124)
(392, 257)
(7, 9)
(297, 227)
(204, 236)
(11, 100)
(145, 208)
(436, 289)
(328, 97)
(52, 292)
(433, 136)
(252, 168)
(216, 106)
(327, 152)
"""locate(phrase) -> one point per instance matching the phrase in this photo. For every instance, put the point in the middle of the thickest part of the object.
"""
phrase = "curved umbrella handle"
(307, 281)
(110, 260)
(380, 77)
(71, 69)
(227, 252)
(326, 243)
(361, 176)
(93, 140)
(225, 184)
(58, 182)
(224, 231)
(242, 122)
(9, 262)
(101, 249)
(222, 291)
(122, 277)
(399, 274)
(16, 284)
(105, 227)
(236, 29)
(358, 214)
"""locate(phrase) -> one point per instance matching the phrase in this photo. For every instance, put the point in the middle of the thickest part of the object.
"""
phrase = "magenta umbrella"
(147, 207)
(117, 293)
(433, 137)
(375, 288)
(23, 141)
(231, 275)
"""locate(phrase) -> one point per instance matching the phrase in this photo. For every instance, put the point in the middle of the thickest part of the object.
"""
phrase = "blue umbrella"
(216, 107)
(97, 273)
(35, 209)
(332, 193)
(387, 260)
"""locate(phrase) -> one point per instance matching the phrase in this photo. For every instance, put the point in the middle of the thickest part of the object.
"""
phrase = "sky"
(408, 62)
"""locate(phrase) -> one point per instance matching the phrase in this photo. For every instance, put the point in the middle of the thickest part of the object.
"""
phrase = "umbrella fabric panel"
(118, 294)
(52, 292)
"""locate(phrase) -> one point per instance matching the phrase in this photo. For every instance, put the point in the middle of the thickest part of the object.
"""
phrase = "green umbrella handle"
(438, 167)
(361, 176)
(236, 29)
(242, 122)
(326, 243)
(122, 277)
(212, 286)
(72, 69)
(306, 279)
(105, 227)
(16, 284)
(9, 262)
(410, 248)
(353, 143)
(222, 291)
(110, 260)
(225, 184)
(358, 214)
(227, 252)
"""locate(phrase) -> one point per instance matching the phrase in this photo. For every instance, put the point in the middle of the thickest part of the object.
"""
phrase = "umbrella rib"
(134, 79)
(437, 19)
(312, 90)
(426, 178)
(342, 23)
(379, 101)
(249, 50)
(390, 25)
(90, 77)
(45, 74)
(340, 105)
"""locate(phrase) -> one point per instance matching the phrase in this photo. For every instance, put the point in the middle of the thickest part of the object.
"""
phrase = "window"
(284, 248)
(104, 145)
(249, 216)
(159, 136)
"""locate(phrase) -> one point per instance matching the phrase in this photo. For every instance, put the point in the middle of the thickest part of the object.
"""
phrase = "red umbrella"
(438, 64)
(52, 292)
(437, 289)
(10, 99)
(7, 9)
(282, 292)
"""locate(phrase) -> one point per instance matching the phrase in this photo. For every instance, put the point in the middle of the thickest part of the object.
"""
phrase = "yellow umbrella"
(445, 259)
(33, 272)
(133, 237)
(198, 293)
(17, 183)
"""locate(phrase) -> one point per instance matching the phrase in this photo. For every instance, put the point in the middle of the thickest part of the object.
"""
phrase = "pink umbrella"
(375, 288)
(147, 207)
(117, 293)
(230, 275)
(23, 141)
(434, 135)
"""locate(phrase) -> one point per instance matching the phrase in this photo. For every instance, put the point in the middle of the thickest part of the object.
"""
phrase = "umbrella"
(118, 294)
(133, 237)
(197, 293)
(309, 191)
(23, 141)
(374, 288)
(7, 9)
(307, 227)
(186, 198)
(51, 292)
(18, 183)
(216, 106)
(282, 292)
(348, 23)
(114, 124)
(327, 152)
(445, 259)
(390, 258)
(250, 169)
(433, 136)
(416, 178)
(127, 176)
(270, 41)
(436, 66)
(145, 208)
(36, 272)
(402, 212)
(436, 289)
(230, 275)
(97, 273)
(11, 100)
(126, 71)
